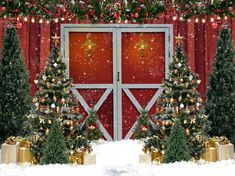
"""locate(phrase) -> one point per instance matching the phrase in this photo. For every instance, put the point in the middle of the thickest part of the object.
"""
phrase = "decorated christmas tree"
(177, 149)
(182, 101)
(55, 151)
(142, 128)
(91, 127)
(54, 100)
(220, 105)
(14, 87)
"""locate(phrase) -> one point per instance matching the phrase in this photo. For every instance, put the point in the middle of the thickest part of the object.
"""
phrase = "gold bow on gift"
(210, 143)
(76, 157)
(222, 140)
(12, 140)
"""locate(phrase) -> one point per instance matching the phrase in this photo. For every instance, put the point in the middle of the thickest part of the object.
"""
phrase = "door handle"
(118, 76)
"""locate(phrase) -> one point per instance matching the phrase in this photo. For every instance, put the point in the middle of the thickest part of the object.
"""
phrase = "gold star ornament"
(56, 40)
(179, 39)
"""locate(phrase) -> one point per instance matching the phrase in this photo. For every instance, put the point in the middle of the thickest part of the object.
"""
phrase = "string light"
(33, 20)
(62, 19)
(174, 18)
(47, 21)
(212, 19)
(56, 20)
(41, 21)
(203, 20)
(25, 19)
(196, 20)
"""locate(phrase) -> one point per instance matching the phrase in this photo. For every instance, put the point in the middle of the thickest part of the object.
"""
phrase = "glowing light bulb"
(212, 19)
(25, 19)
(41, 21)
(196, 20)
(203, 20)
(33, 20)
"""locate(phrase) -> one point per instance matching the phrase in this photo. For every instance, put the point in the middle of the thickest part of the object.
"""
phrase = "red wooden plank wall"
(200, 45)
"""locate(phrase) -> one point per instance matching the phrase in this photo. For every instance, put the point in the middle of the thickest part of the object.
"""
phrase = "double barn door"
(117, 71)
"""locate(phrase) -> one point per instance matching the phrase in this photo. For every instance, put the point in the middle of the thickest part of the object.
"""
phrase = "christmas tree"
(55, 151)
(91, 127)
(181, 100)
(220, 105)
(142, 128)
(14, 87)
(54, 99)
(177, 149)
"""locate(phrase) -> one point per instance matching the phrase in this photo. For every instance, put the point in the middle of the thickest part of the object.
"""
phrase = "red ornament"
(147, 14)
(132, 15)
(215, 25)
(230, 8)
(19, 25)
(3, 8)
(136, 15)
(101, 15)
(115, 15)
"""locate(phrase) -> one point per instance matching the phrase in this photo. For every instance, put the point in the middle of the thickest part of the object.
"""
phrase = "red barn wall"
(199, 42)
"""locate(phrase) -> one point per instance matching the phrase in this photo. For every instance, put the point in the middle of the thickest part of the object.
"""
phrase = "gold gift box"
(210, 154)
(77, 158)
(25, 155)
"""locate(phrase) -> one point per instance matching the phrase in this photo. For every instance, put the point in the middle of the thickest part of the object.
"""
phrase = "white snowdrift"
(121, 159)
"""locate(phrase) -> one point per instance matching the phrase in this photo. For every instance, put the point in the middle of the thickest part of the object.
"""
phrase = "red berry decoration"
(19, 25)
(215, 25)
(3, 8)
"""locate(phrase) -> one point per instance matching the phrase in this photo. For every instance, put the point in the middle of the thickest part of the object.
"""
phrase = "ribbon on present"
(222, 140)
(210, 143)
(12, 140)
(156, 156)
(76, 157)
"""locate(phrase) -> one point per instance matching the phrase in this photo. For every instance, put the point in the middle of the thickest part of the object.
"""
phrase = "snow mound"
(121, 159)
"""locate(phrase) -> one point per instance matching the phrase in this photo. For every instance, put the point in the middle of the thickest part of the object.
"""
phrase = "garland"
(96, 11)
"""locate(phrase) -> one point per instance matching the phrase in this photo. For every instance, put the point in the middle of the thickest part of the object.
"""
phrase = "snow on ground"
(121, 159)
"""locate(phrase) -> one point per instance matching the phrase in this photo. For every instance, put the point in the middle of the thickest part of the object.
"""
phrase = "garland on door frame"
(113, 11)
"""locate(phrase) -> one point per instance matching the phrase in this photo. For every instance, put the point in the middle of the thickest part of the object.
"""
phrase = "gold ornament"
(35, 100)
(47, 131)
(181, 80)
(187, 131)
(172, 100)
(56, 40)
(49, 121)
(54, 98)
(186, 85)
(198, 81)
(42, 100)
(179, 39)
(142, 45)
(62, 100)
(185, 121)
(36, 81)
(89, 46)
(192, 100)
(180, 98)
(144, 129)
